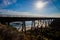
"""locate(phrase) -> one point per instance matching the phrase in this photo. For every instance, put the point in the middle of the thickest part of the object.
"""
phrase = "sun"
(40, 5)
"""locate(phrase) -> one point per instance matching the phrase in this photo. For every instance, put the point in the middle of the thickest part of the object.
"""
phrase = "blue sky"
(30, 7)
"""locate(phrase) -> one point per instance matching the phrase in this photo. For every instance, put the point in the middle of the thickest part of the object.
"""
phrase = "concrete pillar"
(38, 24)
(39, 21)
(49, 21)
(33, 25)
(42, 23)
(46, 23)
(23, 26)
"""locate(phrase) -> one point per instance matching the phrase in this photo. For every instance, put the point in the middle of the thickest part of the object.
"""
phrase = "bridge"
(44, 20)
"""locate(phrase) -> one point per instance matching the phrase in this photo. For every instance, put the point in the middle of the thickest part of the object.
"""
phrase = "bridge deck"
(10, 19)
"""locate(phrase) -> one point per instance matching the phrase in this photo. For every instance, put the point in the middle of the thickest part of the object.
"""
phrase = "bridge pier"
(38, 23)
(23, 26)
(33, 25)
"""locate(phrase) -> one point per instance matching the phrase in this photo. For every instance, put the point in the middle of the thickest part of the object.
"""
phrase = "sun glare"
(40, 4)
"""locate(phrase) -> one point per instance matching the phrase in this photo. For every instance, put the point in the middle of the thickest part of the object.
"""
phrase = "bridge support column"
(42, 23)
(33, 25)
(23, 26)
(48, 22)
(45, 23)
(39, 21)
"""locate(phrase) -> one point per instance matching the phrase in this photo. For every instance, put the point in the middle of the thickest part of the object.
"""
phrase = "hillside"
(10, 33)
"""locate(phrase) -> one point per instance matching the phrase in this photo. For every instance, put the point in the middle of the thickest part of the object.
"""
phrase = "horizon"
(40, 8)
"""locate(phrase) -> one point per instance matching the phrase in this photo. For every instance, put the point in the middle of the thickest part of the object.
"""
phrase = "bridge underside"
(24, 19)
(12, 19)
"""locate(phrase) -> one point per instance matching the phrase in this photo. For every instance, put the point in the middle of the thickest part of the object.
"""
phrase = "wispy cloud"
(28, 14)
(6, 2)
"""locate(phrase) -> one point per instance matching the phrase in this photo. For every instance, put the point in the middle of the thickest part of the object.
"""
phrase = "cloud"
(7, 2)
(27, 14)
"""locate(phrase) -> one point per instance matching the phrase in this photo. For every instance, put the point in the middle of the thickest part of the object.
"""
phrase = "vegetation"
(9, 33)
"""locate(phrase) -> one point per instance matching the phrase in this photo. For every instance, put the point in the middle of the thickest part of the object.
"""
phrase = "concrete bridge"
(44, 20)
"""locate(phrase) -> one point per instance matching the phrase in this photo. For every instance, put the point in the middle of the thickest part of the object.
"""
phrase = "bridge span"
(11, 19)
(44, 20)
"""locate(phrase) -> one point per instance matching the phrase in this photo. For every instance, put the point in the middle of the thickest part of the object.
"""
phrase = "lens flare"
(40, 4)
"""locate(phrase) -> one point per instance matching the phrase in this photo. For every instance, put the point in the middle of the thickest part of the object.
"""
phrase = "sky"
(44, 8)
